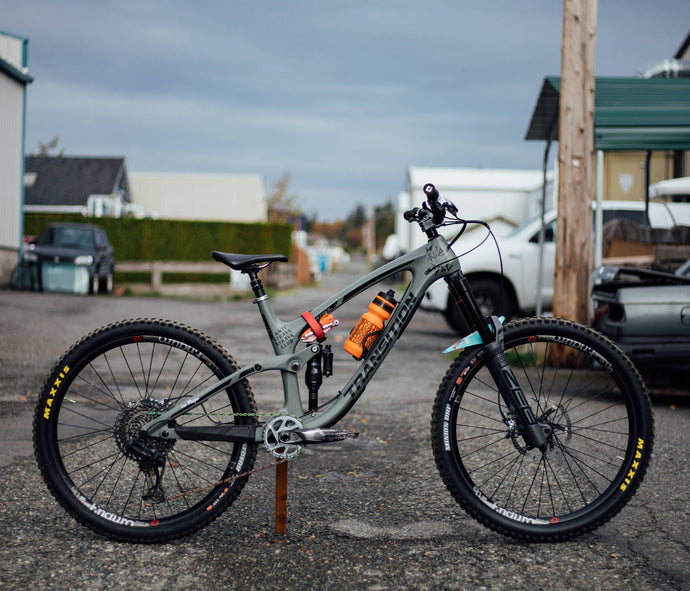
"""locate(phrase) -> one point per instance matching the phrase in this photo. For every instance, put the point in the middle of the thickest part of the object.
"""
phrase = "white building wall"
(228, 198)
(12, 50)
(11, 117)
(11, 164)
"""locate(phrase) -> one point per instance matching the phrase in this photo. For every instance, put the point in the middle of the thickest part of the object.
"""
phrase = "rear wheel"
(88, 425)
(596, 405)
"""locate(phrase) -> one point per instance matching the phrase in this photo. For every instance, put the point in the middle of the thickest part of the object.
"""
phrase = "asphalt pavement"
(368, 514)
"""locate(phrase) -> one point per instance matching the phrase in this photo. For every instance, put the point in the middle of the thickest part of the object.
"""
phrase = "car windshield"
(77, 238)
(523, 225)
(634, 215)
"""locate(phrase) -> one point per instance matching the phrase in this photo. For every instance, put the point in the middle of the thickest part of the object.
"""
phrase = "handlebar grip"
(411, 214)
(431, 192)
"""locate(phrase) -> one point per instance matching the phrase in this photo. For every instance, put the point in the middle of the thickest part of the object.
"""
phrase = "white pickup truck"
(514, 291)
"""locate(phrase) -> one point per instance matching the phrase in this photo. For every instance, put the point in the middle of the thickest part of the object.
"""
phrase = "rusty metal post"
(281, 498)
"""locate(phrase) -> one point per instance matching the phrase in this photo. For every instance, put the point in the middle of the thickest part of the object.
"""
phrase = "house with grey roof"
(92, 186)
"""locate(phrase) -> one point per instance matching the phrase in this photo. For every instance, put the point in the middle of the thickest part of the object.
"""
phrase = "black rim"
(107, 467)
(589, 450)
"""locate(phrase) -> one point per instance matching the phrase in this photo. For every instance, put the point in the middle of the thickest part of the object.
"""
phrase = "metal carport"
(644, 114)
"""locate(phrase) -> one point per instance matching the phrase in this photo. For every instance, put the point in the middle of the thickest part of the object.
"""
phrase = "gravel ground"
(370, 513)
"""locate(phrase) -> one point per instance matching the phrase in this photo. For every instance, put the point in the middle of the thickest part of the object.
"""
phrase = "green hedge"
(172, 240)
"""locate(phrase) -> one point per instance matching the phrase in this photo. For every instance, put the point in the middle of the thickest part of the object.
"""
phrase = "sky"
(341, 96)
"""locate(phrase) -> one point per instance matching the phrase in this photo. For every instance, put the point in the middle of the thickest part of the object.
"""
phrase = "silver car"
(647, 313)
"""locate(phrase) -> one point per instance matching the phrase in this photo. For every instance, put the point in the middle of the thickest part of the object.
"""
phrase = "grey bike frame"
(428, 263)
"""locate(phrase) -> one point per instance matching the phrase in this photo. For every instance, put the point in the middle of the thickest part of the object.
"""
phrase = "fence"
(280, 276)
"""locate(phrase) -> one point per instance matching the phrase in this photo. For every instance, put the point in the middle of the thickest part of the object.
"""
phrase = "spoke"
(491, 433)
(131, 373)
(161, 368)
(198, 460)
(567, 457)
(173, 397)
(598, 442)
(74, 411)
(92, 444)
(132, 495)
(115, 485)
(510, 465)
(548, 465)
(581, 464)
(77, 393)
(484, 416)
(492, 461)
(112, 375)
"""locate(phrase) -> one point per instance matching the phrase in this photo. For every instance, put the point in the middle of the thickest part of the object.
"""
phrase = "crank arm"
(316, 435)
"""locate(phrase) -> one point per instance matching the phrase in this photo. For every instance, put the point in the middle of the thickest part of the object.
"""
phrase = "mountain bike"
(147, 430)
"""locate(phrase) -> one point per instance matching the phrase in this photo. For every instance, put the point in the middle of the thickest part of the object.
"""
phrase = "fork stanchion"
(281, 497)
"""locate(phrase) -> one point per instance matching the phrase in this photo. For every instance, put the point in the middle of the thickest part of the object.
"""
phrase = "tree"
(48, 147)
(283, 205)
(385, 223)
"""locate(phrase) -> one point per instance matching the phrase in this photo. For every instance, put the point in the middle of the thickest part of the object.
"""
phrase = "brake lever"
(448, 205)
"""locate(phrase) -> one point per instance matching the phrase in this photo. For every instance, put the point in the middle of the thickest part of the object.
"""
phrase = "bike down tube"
(427, 263)
(418, 261)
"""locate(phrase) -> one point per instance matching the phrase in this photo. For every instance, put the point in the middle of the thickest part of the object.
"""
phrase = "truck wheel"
(492, 299)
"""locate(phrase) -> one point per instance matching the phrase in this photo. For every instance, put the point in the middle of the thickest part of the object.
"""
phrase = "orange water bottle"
(369, 327)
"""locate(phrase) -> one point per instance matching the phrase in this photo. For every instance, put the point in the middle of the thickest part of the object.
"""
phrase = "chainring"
(272, 441)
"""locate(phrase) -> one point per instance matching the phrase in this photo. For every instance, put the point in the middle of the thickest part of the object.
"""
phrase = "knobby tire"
(87, 431)
(587, 390)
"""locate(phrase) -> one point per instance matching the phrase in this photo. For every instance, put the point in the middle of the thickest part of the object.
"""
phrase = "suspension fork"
(534, 433)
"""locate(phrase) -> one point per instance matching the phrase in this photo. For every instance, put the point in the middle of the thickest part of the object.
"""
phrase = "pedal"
(307, 436)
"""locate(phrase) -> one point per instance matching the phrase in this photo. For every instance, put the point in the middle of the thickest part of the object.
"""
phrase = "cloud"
(343, 96)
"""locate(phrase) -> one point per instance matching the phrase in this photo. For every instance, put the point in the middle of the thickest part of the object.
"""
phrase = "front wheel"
(88, 432)
(601, 433)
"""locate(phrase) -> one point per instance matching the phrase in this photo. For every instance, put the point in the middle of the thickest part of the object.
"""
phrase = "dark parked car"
(75, 258)
(647, 313)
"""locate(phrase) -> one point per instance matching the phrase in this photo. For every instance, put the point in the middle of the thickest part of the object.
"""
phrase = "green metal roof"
(629, 113)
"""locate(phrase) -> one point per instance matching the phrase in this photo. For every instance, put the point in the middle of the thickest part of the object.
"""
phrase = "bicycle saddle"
(247, 262)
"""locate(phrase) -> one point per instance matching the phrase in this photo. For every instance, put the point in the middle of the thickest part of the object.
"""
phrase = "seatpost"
(257, 286)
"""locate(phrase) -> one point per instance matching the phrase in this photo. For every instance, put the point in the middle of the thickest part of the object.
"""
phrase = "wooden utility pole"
(574, 252)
